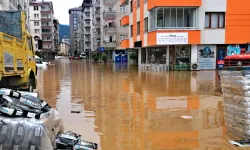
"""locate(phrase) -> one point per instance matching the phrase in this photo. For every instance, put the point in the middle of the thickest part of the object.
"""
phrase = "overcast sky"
(61, 9)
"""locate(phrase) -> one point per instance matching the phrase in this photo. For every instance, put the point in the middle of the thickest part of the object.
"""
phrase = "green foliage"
(133, 56)
(104, 57)
(95, 58)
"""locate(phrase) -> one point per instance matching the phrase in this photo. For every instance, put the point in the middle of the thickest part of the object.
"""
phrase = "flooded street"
(122, 108)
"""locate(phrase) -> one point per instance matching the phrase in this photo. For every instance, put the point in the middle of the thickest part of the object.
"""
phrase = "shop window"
(180, 57)
(215, 20)
(157, 55)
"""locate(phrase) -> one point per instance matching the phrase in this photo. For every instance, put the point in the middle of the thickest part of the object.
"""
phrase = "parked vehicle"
(83, 56)
(18, 65)
(40, 63)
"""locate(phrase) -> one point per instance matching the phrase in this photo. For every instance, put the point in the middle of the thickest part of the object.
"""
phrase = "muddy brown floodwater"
(125, 109)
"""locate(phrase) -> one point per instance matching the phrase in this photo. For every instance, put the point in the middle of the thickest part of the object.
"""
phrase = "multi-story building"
(64, 48)
(7, 5)
(180, 34)
(66, 39)
(74, 16)
(112, 32)
(45, 27)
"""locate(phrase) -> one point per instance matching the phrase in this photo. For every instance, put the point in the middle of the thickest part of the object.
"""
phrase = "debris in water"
(240, 143)
(187, 117)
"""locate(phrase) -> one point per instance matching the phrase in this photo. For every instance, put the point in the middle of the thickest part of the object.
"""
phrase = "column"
(194, 54)
(167, 57)
(139, 58)
(146, 56)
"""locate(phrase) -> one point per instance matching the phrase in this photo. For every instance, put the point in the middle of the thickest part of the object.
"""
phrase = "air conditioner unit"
(195, 66)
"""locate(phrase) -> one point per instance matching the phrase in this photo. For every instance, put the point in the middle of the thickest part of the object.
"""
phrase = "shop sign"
(206, 57)
(220, 59)
(171, 38)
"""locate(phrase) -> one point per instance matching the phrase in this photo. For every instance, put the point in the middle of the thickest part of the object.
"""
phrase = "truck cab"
(238, 60)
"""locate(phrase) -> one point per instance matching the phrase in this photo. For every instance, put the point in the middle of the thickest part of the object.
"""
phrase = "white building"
(64, 49)
(45, 26)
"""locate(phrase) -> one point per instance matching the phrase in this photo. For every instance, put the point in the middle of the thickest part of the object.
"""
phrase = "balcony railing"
(109, 14)
(110, 44)
(109, 29)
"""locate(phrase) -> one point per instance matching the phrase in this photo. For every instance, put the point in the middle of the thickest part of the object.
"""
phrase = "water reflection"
(126, 109)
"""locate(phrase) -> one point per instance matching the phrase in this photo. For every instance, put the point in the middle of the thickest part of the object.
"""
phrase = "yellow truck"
(17, 56)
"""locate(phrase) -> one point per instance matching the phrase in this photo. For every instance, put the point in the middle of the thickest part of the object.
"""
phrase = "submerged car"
(40, 63)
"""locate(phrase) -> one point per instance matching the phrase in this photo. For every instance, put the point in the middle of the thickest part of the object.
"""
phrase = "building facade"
(11, 5)
(74, 17)
(185, 35)
(44, 26)
(64, 49)
(112, 32)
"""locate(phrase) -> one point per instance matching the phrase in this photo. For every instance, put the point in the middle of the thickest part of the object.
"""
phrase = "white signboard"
(207, 57)
(171, 38)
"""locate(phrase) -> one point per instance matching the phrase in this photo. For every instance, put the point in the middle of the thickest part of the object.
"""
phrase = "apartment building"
(7, 5)
(44, 26)
(64, 49)
(74, 17)
(112, 32)
(184, 34)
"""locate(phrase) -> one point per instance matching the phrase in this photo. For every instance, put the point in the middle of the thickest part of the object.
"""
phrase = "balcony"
(109, 14)
(171, 18)
(87, 24)
(97, 4)
(124, 2)
(45, 12)
(110, 44)
(173, 3)
(109, 29)
(87, 17)
(125, 43)
(45, 19)
(125, 21)
(109, 2)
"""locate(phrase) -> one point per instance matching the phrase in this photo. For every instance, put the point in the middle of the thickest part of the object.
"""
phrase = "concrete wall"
(211, 36)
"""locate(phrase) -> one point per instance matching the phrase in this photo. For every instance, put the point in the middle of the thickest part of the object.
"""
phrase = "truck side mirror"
(40, 44)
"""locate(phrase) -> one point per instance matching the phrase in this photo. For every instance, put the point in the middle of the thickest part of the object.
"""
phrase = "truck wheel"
(30, 85)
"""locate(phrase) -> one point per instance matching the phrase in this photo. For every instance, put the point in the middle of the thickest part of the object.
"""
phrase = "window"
(138, 28)
(146, 25)
(37, 31)
(173, 18)
(122, 9)
(145, 1)
(215, 20)
(36, 8)
(110, 39)
(131, 6)
(122, 37)
(138, 3)
(131, 30)
(110, 9)
(36, 23)
(36, 15)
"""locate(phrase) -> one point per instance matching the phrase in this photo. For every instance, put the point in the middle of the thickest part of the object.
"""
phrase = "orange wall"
(122, 1)
(194, 36)
(173, 3)
(125, 20)
(125, 43)
(237, 22)
(134, 21)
